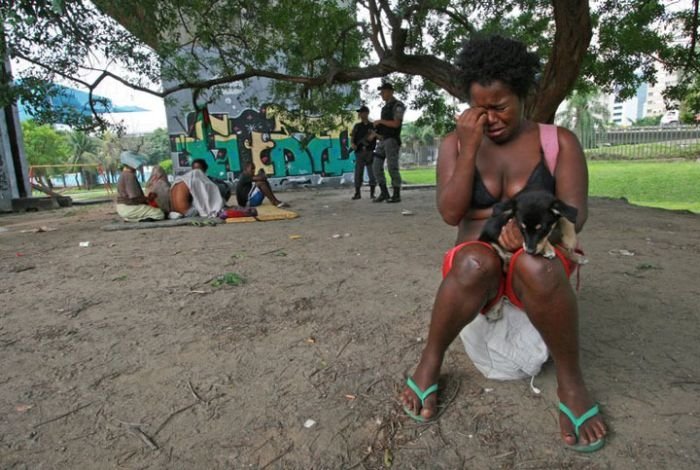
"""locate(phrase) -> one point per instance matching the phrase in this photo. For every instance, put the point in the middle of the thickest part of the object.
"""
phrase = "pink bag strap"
(550, 145)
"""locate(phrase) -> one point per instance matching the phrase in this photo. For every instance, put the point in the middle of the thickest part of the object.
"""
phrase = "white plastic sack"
(504, 347)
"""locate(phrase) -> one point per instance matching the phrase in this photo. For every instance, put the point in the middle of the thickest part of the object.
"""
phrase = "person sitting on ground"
(159, 186)
(252, 189)
(193, 194)
(224, 187)
(132, 204)
(495, 153)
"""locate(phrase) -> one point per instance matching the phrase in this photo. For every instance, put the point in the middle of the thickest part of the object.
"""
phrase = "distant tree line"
(46, 145)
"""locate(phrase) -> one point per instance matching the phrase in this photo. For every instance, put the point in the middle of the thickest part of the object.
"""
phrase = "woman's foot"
(579, 402)
(425, 376)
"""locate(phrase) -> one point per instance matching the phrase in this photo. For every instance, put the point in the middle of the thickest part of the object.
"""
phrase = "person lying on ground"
(159, 186)
(495, 153)
(224, 186)
(252, 189)
(193, 194)
(132, 204)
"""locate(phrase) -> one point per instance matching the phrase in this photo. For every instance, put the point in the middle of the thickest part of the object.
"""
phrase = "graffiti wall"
(226, 142)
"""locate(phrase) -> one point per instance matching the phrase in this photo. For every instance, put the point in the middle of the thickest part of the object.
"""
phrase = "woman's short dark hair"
(485, 60)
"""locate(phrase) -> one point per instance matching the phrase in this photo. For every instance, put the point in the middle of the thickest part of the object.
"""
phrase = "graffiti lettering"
(226, 142)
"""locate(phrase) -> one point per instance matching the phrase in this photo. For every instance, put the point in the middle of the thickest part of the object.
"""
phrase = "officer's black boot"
(371, 191)
(383, 194)
(396, 197)
(357, 194)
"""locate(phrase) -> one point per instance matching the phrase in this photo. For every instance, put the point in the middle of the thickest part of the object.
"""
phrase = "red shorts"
(505, 287)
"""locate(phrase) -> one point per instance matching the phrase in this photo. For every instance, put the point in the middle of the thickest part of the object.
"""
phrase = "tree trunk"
(571, 40)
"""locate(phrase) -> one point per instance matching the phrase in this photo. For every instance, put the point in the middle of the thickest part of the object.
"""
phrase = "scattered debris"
(311, 340)
(388, 458)
(335, 235)
(350, 396)
(123, 277)
(84, 244)
(406, 212)
(309, 423)
(621, 252)
(294, 237)
(23, 408)
(41, 229)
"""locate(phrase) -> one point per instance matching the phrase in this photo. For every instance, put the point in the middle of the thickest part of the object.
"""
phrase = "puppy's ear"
(564, 210)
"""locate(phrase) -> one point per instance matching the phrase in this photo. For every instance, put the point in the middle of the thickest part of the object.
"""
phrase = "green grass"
(653, 151)
(668, 185)
(82, 194)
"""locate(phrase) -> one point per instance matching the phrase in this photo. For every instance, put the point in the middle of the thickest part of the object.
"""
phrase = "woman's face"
(504, 109)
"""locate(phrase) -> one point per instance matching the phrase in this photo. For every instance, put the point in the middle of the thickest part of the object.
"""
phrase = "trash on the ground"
(406, 212)
(230, 279)
(22, 408)
(488, 390)
(84, 244)
(378, 421)
(335, 235)
(41, 229)
(309, 423)
(388, 458)
(621, 252)
(311, 340)
(534, 389)
(294, 237)
(350, 396)
(419, 339)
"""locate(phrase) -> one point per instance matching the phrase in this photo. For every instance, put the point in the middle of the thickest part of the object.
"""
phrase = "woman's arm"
(571, 175)
(456, 165)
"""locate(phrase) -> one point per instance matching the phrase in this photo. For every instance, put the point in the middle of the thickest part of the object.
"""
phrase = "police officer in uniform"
(362, 141)
(388, 129)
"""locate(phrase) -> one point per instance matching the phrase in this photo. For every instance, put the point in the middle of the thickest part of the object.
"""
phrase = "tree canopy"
(318, 52)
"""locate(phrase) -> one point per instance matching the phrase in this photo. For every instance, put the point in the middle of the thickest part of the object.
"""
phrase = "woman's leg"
(544, 288)
(473, 281)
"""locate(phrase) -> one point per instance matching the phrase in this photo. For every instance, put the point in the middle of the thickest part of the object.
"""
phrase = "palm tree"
(584, 115)
(83, 149)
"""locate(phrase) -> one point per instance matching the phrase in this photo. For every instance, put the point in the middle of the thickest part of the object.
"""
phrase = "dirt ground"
(124, 354)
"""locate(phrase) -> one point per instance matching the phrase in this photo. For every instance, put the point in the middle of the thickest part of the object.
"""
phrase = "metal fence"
(631, 143)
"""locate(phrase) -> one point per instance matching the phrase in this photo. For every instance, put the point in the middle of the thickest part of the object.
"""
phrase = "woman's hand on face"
(511, 237)
(470, 127)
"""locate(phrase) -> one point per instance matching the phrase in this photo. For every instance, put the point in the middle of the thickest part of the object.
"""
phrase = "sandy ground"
(124, 355)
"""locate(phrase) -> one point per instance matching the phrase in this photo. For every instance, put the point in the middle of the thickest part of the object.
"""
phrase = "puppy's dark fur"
(537, 214)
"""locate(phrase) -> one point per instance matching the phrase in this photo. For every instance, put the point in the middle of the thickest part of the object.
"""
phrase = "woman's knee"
(476, 266)
(538, 274)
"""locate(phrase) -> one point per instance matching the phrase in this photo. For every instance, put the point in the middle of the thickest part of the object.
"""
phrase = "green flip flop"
(422, 395)
(578, 422)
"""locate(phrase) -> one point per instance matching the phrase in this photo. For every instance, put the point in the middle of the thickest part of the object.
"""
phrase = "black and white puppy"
(537, 214)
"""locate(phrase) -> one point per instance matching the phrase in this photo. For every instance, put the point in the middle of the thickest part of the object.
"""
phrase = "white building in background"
(649, 101)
